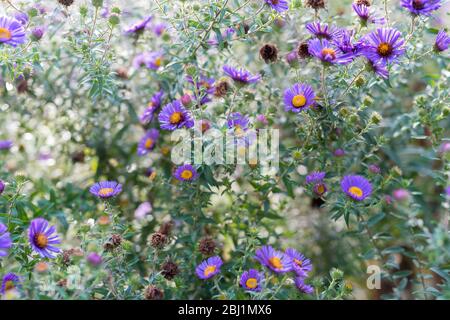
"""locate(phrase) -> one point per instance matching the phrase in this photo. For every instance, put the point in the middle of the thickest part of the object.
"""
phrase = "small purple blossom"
(251, 280)
(151, 60)
(38, 33)
(2, 186)
(328, 52)
(139, 27)
(148, 142)
(154, 104)
(94, 259)
(442, 41)
(316, 176)
(5, 240)
(299, 97)
(323, 31)
(374, 169)
(339, 152)
(43, 238)
(400, 194)
(241, 75)
(421, 7)
(10, 281)
(6, 144)
(275, 260)
(209, 268)
(366, 14)
(143, 210)
(175, 116)
(278, 5)
(300, 264)
(12, 31)
(186, 172)
(356, 187)
(302, 286)
(106, 189)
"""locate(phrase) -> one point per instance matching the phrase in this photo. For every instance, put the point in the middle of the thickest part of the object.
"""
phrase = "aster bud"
(158, 240)
(207, 246)
(186, 99)
(66, 3)
(114, 19)
(336, 274)
(297, 155)
(315, 4)
(153, 293)
(221, 88)
(269, 53)
(368, 100)
(169, 270)
(353, 118)
(344, 112)
(97, 3)
(446, 111)
(375, 117)
(37, 33)
(360, 81)
(303, 50)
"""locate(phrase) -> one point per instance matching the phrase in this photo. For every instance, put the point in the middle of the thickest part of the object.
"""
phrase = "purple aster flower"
(139, 27)
(155, 104)
(148, 142)
(5, 144)
(366, 14)
(204, 83)
(316, 176)
(38, 33)
(378, 67)
(278, 5)
(185, 172)
(251, 280)
(444, 147)
(400, 194)
(94, 259)
(300, 264)
(174, 116)
(5, 240)
(9, 281)
(299, 97)
(421, 7)
(442, 41)
(275, 260)
(345, 42)
(2, 186)
(227, 35)
(238, 123)
(150, 173)
(22, 17)
(261, 120)
(209, 267)
(356, 187)
(384, 45)
(43, 237)
(328, 52)
(151, 60)
(143, 210)
(323, 31)
(302, 286)
(106, 189)
(339, 152)
(374, 169)
(447, 191)
(241, 75)
(320, 189)
(159, 28)
(12, 31)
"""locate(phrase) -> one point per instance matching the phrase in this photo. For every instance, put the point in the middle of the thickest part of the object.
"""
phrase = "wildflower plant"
(348, 101)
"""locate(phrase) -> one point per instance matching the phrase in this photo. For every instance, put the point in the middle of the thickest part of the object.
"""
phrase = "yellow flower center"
(384, 49)
(41, 240)
(298, 262)
(158, 62)
(320, 189)
(209, 270)
(148, 143)
(186, 174)
(329, 52)
(176, 117)
(299, 101)
(251, 283)
(355, 191)
(9, 285)
(5, 34)
(275, 262)
(105, 191)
